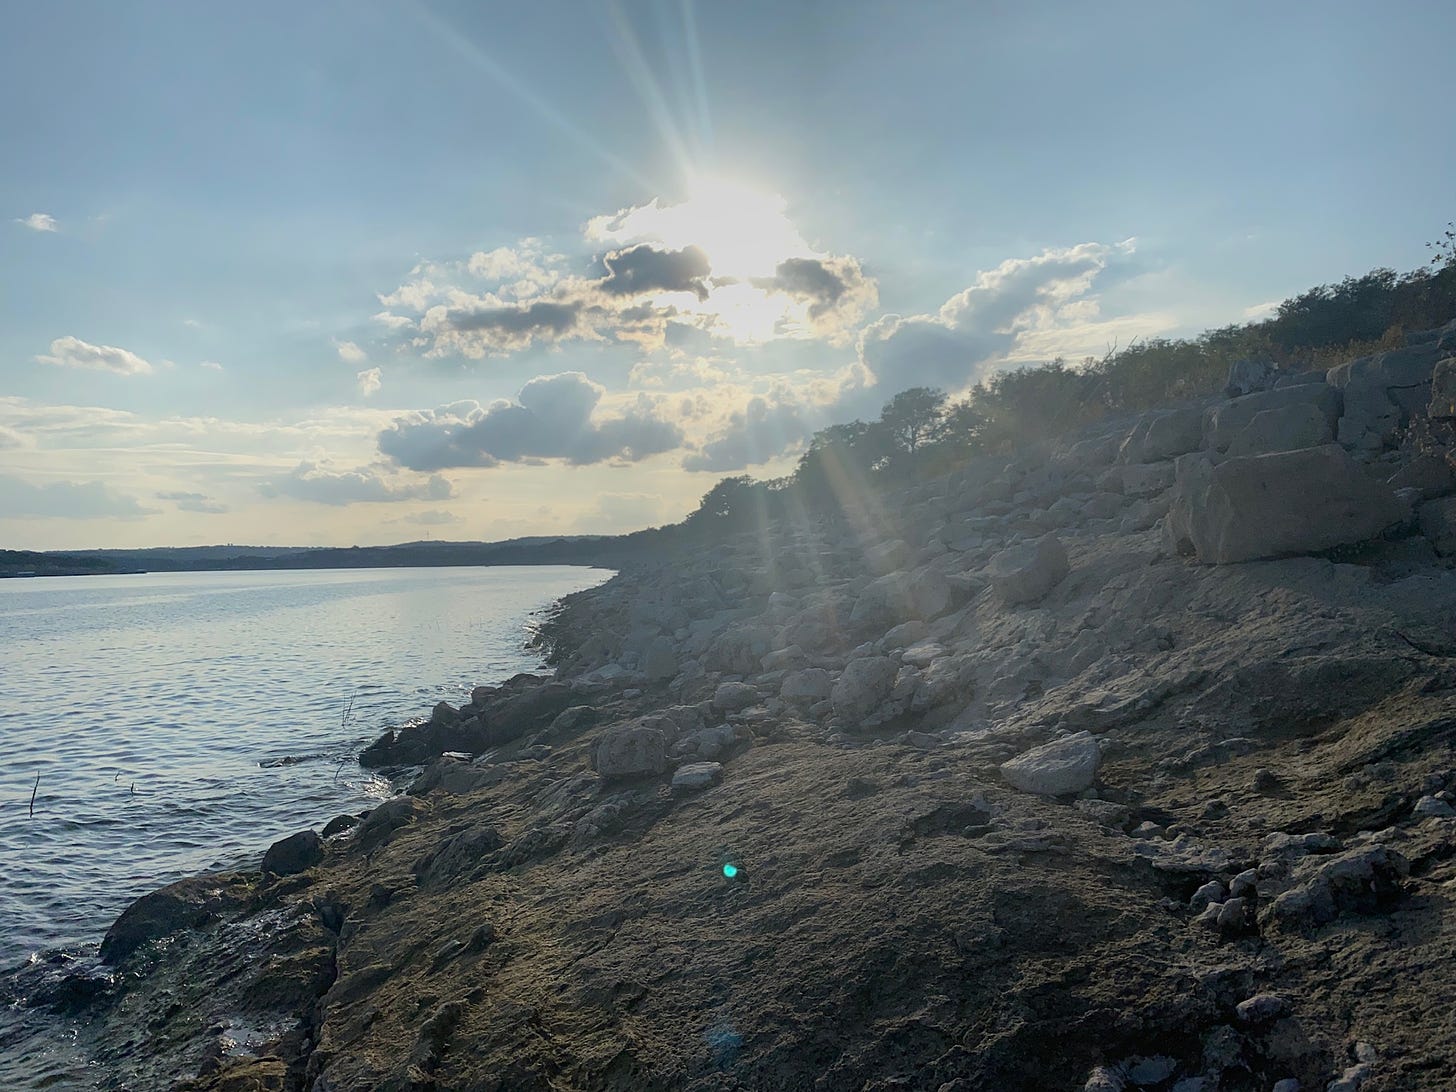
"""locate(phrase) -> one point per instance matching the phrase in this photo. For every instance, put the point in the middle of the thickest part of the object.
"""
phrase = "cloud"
(349, 352)
(1260, 311)
(829, 286)
(552, 417)
(310, 481)
(393, 321)
(193, 502)
(370, 380)
(71, 352)
(12, 440)
(975, 328)
(761, 431)
(66, 500)
(481, 331)
(211, 365)
(39, 221)
(618, 513)
(433, 517)
(641, 269)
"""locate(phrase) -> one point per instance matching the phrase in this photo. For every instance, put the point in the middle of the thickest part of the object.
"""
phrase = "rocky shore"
(1127, 763)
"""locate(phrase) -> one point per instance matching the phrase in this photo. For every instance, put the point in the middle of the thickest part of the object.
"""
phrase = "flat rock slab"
(697, 775)
(1025, 573)
(1060, 768)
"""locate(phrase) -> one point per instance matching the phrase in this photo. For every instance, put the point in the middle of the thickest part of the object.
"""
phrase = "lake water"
(184, 721)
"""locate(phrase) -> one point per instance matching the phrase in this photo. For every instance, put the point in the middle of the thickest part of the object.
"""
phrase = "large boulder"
(1164, 436)
(634, 749)
(1438, 523)
(1248, 375)
(1060, 768)
(1382, 392)
(1292, 502)
(1428, 474)
(1443, 389)
(1226, 420)
(862, 687)
(186, 904)
(806, 687)
(730, 697)
(900, 597)
(1026, 572)
(659, 661)
(1286, 428)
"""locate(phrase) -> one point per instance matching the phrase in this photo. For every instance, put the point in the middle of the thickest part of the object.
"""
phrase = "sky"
(359, 272)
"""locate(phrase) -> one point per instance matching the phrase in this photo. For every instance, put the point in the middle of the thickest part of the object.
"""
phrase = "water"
(184, 721)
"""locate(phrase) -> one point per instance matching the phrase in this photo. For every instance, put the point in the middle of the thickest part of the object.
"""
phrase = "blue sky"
(362, 272)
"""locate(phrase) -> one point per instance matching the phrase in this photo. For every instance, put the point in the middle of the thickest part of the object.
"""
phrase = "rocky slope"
(1124, 765)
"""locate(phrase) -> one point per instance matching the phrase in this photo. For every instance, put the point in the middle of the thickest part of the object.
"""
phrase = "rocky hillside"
(1122, 765)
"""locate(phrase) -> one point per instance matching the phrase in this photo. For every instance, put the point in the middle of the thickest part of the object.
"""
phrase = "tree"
(912, 418)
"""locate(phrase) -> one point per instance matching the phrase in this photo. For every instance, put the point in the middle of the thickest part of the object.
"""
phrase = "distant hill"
(530, 550)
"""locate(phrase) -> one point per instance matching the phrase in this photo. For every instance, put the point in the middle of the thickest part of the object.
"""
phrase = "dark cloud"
(762, 431)
(643, 268)
(193, 502)
(551, 418)
(66, 500)
(311, 482)
(543, 317)
(823, 282)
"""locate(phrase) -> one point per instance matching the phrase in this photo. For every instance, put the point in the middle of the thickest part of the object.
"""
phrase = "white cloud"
(349, 352)
(193, 502)
(318, 483)
(978, 328)
(370, 380)
(211, 365)
(1260, 311)
(552, 417)
(432, 517)
(393, 321)
(39, 221)
(71, 352)
(13, 440)
(66, 500)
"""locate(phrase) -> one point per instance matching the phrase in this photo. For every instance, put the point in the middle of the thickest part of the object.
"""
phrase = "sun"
(746, 233)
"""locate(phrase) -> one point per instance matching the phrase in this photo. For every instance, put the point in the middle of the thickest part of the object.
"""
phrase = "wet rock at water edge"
(296, 853)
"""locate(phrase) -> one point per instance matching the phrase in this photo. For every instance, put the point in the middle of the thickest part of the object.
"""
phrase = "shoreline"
(1093, 768)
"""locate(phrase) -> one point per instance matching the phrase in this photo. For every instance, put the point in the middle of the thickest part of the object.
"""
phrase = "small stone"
(1192, 1084)
(697, 775)
(1265, 781)
(1366, 1053)
(1211, 892)
(481, 938)
(1288, 1084)
(1231, 915)
(1148, 1071)
(1104, 1079)
(1261, 1008)
(1244, 884)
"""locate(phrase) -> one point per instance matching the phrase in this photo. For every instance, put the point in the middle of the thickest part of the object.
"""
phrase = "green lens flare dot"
(730, 870)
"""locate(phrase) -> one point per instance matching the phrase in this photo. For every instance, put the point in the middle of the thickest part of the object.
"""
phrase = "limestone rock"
(1291, 502)
(1286, 428)
(862, 686)
(1247, 376)
(899, 597)
(633, 749)
(1146, 480)
(1025, 573)
(1164, 436)
(1063, 767)
(1443, 389)
(806, 687)
(697, 775)
(659, 662)
(1227, 420)
(730, 697)
(1438, 523)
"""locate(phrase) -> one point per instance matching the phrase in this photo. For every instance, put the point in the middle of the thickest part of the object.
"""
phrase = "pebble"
(1288, 1084)
(1245, 884)
(1211, 892)
(697, 775)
